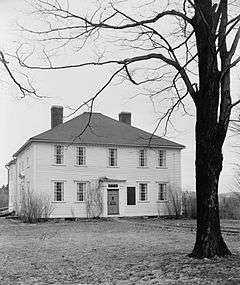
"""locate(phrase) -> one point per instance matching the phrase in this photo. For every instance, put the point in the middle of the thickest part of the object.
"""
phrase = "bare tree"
(191, 56)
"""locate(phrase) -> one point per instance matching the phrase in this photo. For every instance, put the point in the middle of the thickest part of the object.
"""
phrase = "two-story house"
(131, 170)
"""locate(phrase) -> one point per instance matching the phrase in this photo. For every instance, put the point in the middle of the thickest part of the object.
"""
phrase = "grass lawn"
(110, 252)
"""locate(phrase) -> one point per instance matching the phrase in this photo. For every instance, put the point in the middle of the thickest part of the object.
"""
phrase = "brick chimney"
(56, 116)
(125, 117)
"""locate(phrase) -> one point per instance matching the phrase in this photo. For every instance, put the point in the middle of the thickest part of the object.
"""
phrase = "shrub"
(229, 207)
(174, 204)
(35, 207)
(3, 196)
(189, 204)
(94, 199)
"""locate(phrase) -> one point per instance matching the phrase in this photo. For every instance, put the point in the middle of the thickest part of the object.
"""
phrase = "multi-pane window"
(81, 191)
(22, 188)
(161, 158)
(58, 154)
(162, 192)
(143, 191)
(112, 157)
(28, 186)
(58, 191)
(81, 155)
(21, 166)
(142, 157)
(28, 161)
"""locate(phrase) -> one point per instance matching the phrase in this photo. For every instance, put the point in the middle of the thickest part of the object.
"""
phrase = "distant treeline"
(229, 205)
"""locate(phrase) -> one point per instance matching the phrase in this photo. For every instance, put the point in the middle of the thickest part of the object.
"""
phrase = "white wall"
(97, 166)
(21, 172)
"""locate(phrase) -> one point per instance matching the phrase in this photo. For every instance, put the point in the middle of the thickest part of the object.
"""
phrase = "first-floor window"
(81, 191)
(143, 192)
(58, 191)
(22, 188)
(28, 186)
(162, 192)
(131, 196)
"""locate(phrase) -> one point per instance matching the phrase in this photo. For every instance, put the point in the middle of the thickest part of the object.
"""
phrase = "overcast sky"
(22, 119)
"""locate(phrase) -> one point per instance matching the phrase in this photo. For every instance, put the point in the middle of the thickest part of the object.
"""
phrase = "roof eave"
(101, 144)
(27, 143)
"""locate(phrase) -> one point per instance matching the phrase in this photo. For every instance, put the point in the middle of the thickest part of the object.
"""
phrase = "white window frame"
(57, 155)
(84, 190)
(22, 186)
(142, 159)
(27, 161)
(55, 191)
(162, 158)
(146, 192)
(162, 193)
(81, 156)
(28, 186)
(114, 157)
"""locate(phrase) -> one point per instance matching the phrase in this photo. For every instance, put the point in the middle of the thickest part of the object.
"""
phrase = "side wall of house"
(97, 166)
(21, 177)
(12, 200)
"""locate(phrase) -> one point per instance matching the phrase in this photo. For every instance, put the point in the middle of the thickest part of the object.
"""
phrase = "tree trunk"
(209, 241)
(212, 108)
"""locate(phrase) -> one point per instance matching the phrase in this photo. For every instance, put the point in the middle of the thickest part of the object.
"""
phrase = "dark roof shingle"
(103, 130)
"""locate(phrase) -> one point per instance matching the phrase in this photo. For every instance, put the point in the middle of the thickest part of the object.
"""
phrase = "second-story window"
(142, 157)
(28, 161)
(58, 154)
(161, 158)
(112, 157)
(81, 155)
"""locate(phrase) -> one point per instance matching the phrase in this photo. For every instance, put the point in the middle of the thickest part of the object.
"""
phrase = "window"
(112, 158)
(143, 192)
(81, 156)
(28, 186)
(162, 191)
(22, 188)
(58, 191)
(58, 154)
(28, 161)
(81, 191)
(112, 185)
(20, 166)
(131, 196)
(142, 157)
(10, 174)
(161, 158)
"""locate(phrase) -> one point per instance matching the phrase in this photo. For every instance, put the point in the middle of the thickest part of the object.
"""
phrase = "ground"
(134, 251)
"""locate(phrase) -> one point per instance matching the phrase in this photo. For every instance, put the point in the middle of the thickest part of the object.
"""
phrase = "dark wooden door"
(113, 202)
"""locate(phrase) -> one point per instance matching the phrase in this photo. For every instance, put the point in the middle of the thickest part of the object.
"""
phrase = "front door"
(113, 202)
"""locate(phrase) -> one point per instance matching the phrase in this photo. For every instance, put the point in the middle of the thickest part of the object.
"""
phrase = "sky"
(23, 118)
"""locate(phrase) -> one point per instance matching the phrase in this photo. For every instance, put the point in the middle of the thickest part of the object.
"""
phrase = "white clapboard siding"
(45, 172)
